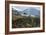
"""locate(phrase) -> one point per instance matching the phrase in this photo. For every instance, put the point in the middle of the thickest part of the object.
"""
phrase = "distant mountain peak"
(29, 11)
(32, 11)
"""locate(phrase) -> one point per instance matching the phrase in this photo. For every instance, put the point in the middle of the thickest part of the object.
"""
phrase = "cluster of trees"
(26, 22)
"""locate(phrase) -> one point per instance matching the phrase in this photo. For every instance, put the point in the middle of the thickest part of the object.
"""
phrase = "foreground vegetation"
(26, 22)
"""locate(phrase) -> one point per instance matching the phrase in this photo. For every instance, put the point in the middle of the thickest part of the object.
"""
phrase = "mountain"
(29, 11)
(32, 11)
(16, 12)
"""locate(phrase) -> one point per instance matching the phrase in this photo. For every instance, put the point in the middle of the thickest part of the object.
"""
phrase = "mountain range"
(29, 11)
